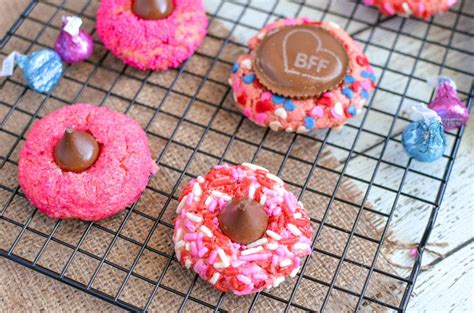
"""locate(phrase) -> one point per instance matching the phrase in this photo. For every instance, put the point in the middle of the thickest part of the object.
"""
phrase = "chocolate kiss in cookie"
(152, 9)
(76, 151)
(243, 220)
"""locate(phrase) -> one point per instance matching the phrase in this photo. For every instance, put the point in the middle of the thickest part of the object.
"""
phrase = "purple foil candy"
(73, 44)
(446, 103)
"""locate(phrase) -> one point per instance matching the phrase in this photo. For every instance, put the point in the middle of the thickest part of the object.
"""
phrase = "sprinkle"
(325, 101)
(266, 96)
(189, 225)
(372, 77)
(390, 10)
(271, 246)
(289, 105)
(179, 233)
(296, 215)
(349, 79)
(272, 234)
(200, 179)
(251, 250)
(264, 106)
(365, 74)
(365, 94)
(249, 78)
(212, 257)
(317, 111)
(208, 201)
(289, 203)
(309, 122)
(188, 263)
(334, 25)
(255, 167)
(294, 272)
(244, 279)
(260, 117)
(278, 281)
(300, 246)
(187, 247)
(179, 244)
(197, 191)
(237, 263)
(352, 110)
(281, 113)
(260, 276)
(252, 191)
(263, 199)
(278, 99)
(302, 130)
(214, 278)
(221, 195)
(212, 205)
(206, 231)
(413, 252)
(285, 262)
(225, 260)
(406, 8)
(294, 230)
(256, 257)
(337, 109)
(189, 199)
(194, 217)
(193, 248)
(348, 93)
(289, 129)
(275, 126)
(202, 252)
(362, 60)
(181, 204)
(235, 68)
(257, 243)
(275, 178)
(247, 64)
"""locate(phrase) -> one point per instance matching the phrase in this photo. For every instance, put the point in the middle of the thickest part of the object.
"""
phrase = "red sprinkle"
(362, 60)
(325, 101)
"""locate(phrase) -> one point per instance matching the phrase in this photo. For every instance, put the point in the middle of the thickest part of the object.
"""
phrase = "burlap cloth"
(24, 290)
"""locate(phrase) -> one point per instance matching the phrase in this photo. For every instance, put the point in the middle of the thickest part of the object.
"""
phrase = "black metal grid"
(381, 139)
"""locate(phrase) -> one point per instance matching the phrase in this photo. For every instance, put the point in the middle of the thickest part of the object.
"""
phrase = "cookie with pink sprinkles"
(240, 229)
(302, 75)
(423, 9)
(152, 34)
(84, 162)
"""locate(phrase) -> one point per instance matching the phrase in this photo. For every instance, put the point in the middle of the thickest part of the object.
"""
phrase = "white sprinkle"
(285, 262)
(338, 108)
(221, 195)
(200, 179)
(278, 281)
(179, 244)
(254, 167)
(219, 265)
(302, 130)
(294, 230)
(275, 178)
(300, 246)
(294, 272)
(224, 258)
(187, 246)
(208, 201)
(194, 217)
(406, 8)
(272, 234)
(252, 191)
(263, 198)
(260, 35)
(297, 215)
(214, 278)
(271, 246)
(206, 231)
(197, 191)
(257, 243)
(334, 25)
(300, 204)
(181, 204)
(289, 130)
(275, 126)
(188, 263)
(179, 234)
(252, 250)
(247, 64)
(178, 254)
(281, 113)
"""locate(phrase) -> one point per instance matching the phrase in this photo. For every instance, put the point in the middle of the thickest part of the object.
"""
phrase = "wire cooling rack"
(403, 52)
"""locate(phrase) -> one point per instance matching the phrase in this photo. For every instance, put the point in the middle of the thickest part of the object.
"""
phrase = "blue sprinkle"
(352, 110)
(235, 68)
(365, 74)
(249, 78)
(278, 99)
(349, 79)
(372, 77)
(348, 93)
(309, 122)
(289, 106)
(364, 94)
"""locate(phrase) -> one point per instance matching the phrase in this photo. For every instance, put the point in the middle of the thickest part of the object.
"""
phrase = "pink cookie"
(229, 266)
(295, 114)
(152, 44)
(112, 183)
(421, 8)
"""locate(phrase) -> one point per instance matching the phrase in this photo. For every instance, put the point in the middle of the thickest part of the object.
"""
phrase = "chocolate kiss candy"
(76, 151)
(449, 107)
(153, 9)
(243, 221)
(73, 44)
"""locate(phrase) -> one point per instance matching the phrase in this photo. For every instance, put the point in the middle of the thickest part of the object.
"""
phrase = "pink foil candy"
(446, 103)
(73, 44)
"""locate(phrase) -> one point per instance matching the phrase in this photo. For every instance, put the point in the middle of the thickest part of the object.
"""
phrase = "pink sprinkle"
(290, 21)
(190, 236)
(366, 85)
(249, 270)
(334, 113)
(221, 203)
(272, 201)
(277, 211)
(260, 117)
(235, 85)
(189, 199)
(256, 257)
(199, 243)
(413, 252)
(235, 175)
(189, 225)
(247, 113)
(244, 279)
(212, 257)
(297, 262)
(328, 94)
(289, 203)
(260, 276)
(212, 205)
(266, 96)
(390, 10)
(194, 250)
(280, 252)
(421, 8)
(202, 251)
(317, 111)
(274, 260)
(237, 263)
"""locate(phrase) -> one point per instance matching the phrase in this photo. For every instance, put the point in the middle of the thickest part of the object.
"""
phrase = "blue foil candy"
(41, 70)
(424, 140)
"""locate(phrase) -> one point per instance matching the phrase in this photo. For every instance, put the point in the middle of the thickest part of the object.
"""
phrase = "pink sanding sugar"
(152, 44)
(420, 8)
(115, 180)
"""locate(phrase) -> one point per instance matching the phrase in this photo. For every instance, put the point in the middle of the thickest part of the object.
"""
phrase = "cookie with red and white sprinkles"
(420, 8)
(240, 229)
(301, 75)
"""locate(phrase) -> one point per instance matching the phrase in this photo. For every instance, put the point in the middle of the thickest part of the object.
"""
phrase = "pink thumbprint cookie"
(423, 9)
